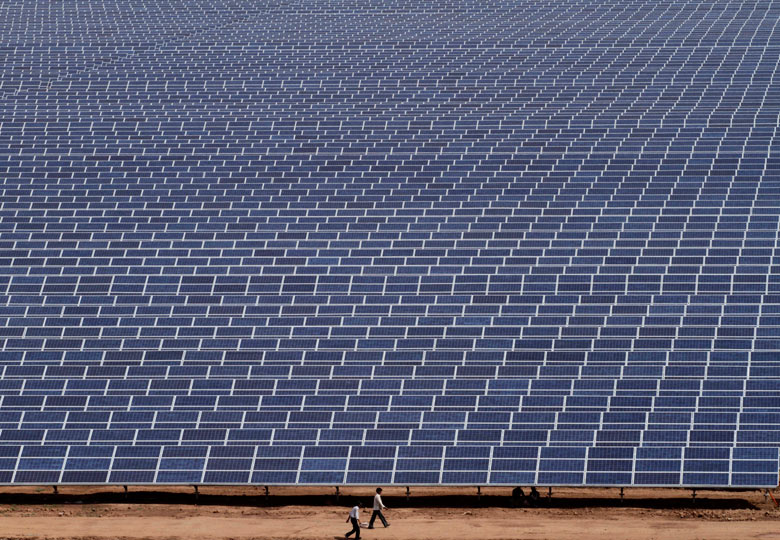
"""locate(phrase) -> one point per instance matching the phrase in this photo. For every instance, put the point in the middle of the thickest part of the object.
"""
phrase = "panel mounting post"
(479, 493)
(55, 490)
(549, 493)
(338, 493)
(125, 491)
(407, 493)
(693, 495)
(197, 493)
(266, 493)
(621, 495)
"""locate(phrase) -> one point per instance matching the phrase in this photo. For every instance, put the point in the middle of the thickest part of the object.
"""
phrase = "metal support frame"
(338, 493)
(266, 492)
(197, 493)
(55, 490)
(479, 493)
(621, 495)
(407, 493)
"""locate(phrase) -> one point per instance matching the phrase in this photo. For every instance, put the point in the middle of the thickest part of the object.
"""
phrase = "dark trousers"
(374, 516)
(355, 528)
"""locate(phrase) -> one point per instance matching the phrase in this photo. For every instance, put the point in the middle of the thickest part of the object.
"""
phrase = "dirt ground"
(430, 513)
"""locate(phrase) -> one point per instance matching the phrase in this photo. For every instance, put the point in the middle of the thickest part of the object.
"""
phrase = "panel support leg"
(125, 491)
(549, 493)
(197, 493)
(479, 493)
(621, 495)
(338, 493)
(266, 493)
(407, 493)
(693, 495)
(55, 490)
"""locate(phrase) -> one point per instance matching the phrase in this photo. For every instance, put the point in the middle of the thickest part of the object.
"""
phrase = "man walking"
(378, 507)
(354, 517)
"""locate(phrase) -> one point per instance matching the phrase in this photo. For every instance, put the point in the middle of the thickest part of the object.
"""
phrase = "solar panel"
(390, 242)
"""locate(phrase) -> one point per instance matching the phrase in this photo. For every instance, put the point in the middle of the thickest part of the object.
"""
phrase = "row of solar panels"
(727, 435)
(676, 142)
(450, 218)
(609, 152)
(421, 393)
(535, 116)
(422, 400)
(451, 211)
(750, 155)
(737, 467)
(433, 133)
(735, 184)
(532, 326)
(379, 367)
(279, 363)
(384, 338)
(575, 65)
(495, 416)
(441, 392)
(532, 118)
(592, 180)
(534, 235)
(536, 258)
(395, 285)
(250, 344)
(363, 141)
(486, 416)
(381, 304)
(756, 435)
(420, 325)
(628, 175)
(624, 284)
(718, 119)
(534, 266)
(359, 378)
(533, 231)
(621, 148)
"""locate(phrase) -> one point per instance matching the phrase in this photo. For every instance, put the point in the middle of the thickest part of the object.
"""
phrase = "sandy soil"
(435, 514)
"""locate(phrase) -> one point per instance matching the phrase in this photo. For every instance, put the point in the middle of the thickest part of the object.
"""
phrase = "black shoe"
(387, 525)
(369, 527)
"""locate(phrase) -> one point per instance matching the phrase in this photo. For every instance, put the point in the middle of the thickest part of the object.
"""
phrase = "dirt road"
(435, 514)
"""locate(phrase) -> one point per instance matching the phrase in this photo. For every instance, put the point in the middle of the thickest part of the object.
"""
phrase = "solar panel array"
(390, 242)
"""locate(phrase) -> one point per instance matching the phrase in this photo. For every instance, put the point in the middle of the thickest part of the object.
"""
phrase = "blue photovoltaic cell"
(390, 242)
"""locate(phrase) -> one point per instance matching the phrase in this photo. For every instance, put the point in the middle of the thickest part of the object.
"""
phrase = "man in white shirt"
(378, 507)
(354, 517)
